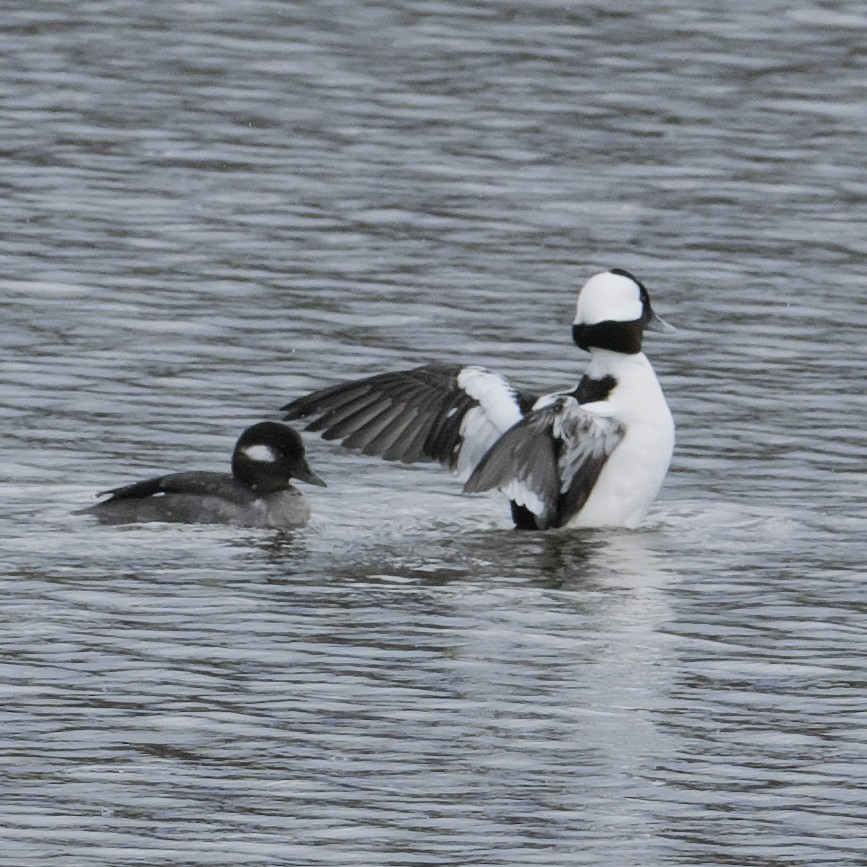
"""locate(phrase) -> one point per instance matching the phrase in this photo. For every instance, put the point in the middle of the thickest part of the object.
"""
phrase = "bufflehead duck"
(592, 456)
(256, 494)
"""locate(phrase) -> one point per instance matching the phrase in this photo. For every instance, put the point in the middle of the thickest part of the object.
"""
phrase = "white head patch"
(608, 297)
(262, 453)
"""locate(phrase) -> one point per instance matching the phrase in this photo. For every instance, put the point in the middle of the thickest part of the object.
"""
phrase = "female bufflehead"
(592, 456)
(257, 494)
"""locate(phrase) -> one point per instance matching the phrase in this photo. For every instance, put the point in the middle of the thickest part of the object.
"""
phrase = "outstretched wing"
(444, 413)
(192, 483)
(523, 465)
(550, 460)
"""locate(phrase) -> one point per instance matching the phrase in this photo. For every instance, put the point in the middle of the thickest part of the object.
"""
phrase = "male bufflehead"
(256, 494)
(592, 456)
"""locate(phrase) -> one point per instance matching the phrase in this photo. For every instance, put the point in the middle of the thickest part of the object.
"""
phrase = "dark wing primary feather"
(137, 490)
(196, 483)
(445, 413)
(550, 460)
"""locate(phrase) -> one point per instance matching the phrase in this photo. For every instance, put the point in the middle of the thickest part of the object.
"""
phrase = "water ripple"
(210, 209)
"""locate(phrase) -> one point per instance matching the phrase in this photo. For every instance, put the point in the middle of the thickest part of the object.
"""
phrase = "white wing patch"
(483, 425)
(493, 392)
(524, 496)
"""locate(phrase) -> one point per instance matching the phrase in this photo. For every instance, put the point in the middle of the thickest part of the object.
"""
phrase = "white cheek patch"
(263, 454)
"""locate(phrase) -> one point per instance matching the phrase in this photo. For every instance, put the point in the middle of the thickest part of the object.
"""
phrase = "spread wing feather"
(445, 413)
(550, 460)
(523, 464)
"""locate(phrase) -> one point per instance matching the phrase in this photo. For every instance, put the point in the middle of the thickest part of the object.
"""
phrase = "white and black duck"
(592, 456)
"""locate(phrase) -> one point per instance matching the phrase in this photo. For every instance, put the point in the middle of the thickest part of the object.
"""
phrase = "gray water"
(210, 208)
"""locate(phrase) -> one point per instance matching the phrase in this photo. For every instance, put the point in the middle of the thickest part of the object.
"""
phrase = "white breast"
(633, 475)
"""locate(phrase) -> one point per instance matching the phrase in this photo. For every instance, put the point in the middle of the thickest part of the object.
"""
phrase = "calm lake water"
(210, 208)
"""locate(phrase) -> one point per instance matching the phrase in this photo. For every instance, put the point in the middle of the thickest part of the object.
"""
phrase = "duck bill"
(658, 324)
(305, 474)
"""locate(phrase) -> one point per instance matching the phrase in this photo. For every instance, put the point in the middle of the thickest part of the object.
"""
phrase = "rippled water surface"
(209, 208)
